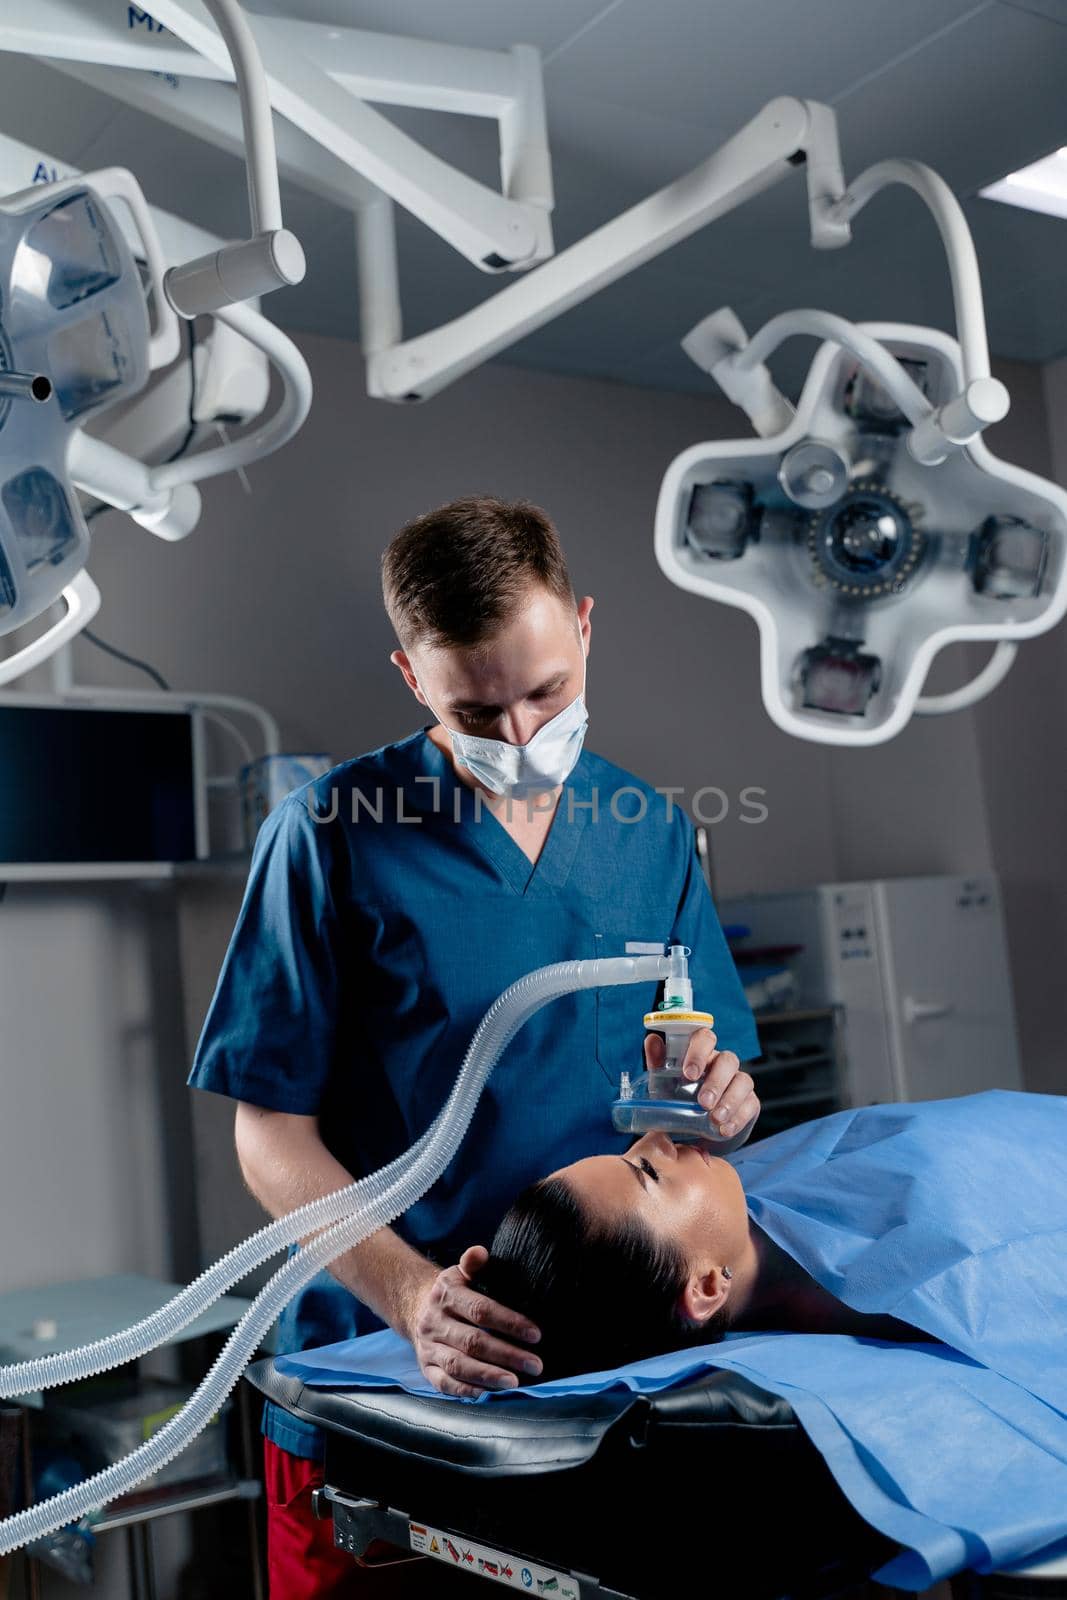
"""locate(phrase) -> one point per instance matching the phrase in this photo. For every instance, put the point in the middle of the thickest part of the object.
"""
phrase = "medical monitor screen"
(81, 785)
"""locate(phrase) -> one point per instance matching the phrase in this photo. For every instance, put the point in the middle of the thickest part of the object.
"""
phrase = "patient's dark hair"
(601, 1295)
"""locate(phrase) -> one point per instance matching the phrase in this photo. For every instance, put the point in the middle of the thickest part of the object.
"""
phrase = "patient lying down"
(620, 1257)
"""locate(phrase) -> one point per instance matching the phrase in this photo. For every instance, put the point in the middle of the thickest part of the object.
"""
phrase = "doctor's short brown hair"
(457, 575)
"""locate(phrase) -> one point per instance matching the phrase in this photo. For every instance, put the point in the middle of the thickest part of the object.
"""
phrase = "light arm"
(993, 673)
(761, 154)
(272, 257)
(955, 236)
(82, 600)
(824, 325)
(492, 230)
(984, 399)
(265, 437)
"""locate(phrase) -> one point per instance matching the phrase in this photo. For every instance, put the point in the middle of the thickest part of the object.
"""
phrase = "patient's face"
(681, 1193)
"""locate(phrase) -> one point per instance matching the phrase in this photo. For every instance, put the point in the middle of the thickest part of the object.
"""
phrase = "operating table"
(610, 1496)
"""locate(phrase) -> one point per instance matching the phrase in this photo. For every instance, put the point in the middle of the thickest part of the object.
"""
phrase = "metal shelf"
(227, 864)
(776, 1018)
(92, 1308)
(84, 871)
(791, 1063)
(816, 1029)
(210, 1492)
(231, 865)
(806, 1098)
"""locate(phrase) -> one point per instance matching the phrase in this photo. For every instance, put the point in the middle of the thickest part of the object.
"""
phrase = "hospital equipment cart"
(34, 1322)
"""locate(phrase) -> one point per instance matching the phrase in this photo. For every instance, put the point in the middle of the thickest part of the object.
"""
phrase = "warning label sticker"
(512, 1570)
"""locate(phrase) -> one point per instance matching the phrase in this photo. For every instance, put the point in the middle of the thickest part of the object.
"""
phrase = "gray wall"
(82, 1158)
(1022, 763)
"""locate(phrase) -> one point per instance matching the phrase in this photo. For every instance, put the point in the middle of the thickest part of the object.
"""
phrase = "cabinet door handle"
(924, 1010)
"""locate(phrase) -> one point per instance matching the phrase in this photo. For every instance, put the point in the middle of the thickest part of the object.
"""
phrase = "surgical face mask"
(520, 770)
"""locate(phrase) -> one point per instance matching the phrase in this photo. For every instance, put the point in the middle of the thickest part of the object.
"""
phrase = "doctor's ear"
(585, 606)
(705, 1293)
(401, 662)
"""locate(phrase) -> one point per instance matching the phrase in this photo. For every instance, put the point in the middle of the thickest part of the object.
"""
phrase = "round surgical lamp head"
(862, 544)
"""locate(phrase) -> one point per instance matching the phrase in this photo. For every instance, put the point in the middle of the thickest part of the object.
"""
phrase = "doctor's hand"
(454, 1331)
(727, 1093)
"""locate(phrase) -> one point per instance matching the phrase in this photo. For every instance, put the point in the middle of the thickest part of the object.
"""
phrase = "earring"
(727, 1272)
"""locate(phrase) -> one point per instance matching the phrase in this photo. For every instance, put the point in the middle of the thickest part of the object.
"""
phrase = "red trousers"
(302, 1560)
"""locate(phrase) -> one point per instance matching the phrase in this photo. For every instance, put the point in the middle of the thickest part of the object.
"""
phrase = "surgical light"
(887, 530)
(74, 314)
(85, 316)
(898, 555)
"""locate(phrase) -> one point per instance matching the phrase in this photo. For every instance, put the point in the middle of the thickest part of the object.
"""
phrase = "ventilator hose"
(382, 1197)
(129, 1344)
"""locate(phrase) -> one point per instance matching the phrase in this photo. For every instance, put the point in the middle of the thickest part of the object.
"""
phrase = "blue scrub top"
(385, 911)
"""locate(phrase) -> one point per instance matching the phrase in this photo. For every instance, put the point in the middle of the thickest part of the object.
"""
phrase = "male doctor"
(388, 905)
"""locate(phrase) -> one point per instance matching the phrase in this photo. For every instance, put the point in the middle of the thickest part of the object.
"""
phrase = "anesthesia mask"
(665, 1101)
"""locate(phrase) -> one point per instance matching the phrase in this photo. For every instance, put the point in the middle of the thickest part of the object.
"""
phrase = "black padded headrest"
(520, 1435)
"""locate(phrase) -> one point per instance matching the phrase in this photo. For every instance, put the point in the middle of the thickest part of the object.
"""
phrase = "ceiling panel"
(1034, 318)
(1054, 10)
(606, 157)
(40, 107)
(976, 102)
(719, 61)
(1016, 246)
(490, 24)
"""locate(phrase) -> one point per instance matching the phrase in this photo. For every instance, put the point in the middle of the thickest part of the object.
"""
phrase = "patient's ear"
(705, 1293)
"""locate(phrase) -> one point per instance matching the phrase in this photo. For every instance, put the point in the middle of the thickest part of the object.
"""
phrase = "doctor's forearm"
(387, 1275)
(285, 1164)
